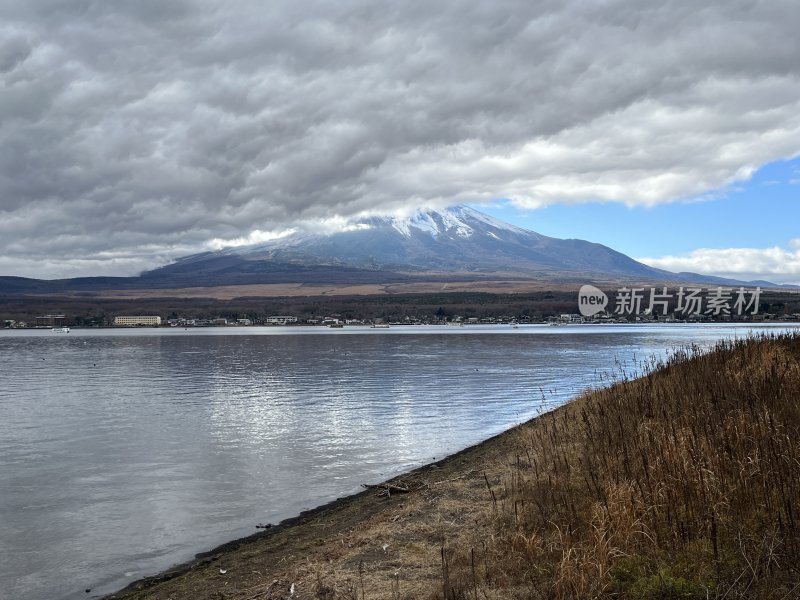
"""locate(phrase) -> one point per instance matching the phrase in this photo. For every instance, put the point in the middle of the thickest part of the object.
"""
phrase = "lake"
(123, 452)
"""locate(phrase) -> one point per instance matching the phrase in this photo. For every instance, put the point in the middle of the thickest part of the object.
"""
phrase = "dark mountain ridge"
(455, 244)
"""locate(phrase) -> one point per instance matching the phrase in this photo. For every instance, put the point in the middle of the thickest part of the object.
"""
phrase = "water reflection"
(123, 452)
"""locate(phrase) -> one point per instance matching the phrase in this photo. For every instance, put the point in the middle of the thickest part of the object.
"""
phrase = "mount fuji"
(457, 244)
(457, 240)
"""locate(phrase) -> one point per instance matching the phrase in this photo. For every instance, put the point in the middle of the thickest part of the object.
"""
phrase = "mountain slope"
(455, 240)
(458, 244)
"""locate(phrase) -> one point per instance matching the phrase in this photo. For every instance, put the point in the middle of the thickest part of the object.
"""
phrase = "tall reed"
(683, 483)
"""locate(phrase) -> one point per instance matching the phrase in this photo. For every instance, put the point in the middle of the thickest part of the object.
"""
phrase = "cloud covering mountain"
(430, 247)
(135, 132)
(455, 243)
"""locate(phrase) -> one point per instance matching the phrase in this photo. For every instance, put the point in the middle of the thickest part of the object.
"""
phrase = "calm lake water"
(123, 452)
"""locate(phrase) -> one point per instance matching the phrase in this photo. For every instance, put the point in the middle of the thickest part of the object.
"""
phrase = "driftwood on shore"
(388, 488)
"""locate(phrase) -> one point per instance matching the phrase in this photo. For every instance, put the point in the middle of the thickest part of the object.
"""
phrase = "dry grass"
(684, 483)
(303, 290)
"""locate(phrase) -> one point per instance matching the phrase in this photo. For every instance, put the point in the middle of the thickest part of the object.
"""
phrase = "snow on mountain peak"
(455, 222)
(431, 222)
(461, 221)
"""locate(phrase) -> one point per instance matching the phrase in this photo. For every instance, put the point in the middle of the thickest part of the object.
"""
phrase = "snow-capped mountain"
(455, 240)
(458, 244)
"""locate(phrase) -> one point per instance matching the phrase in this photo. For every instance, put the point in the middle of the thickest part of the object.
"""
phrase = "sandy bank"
(367, 542)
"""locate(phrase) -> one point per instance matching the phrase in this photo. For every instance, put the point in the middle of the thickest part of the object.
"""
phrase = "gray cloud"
(133, 132)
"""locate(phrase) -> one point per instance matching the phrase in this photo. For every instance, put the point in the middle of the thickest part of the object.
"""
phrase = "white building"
(281, 320)
(137, 320)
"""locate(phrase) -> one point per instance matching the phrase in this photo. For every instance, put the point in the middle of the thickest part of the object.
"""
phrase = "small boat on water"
(380, 326)
(60, 329)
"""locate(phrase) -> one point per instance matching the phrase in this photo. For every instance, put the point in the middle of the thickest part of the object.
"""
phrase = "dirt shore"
(384, 542)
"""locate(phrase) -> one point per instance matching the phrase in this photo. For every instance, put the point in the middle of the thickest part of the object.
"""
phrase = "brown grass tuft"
(683, 483)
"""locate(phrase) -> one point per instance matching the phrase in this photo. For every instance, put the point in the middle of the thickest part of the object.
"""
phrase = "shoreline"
(307, 518)
(664, 486)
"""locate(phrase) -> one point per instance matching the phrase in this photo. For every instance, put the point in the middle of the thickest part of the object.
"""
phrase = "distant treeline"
(440, 306)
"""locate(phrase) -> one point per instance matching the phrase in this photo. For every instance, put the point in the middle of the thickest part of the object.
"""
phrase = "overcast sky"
(133, 132)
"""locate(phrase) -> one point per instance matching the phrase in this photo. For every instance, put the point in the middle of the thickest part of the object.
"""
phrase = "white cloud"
(778, 265)
(254, 237)
(145, 127)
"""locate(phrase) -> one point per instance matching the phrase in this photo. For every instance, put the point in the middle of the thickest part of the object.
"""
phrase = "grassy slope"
(682, 484)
